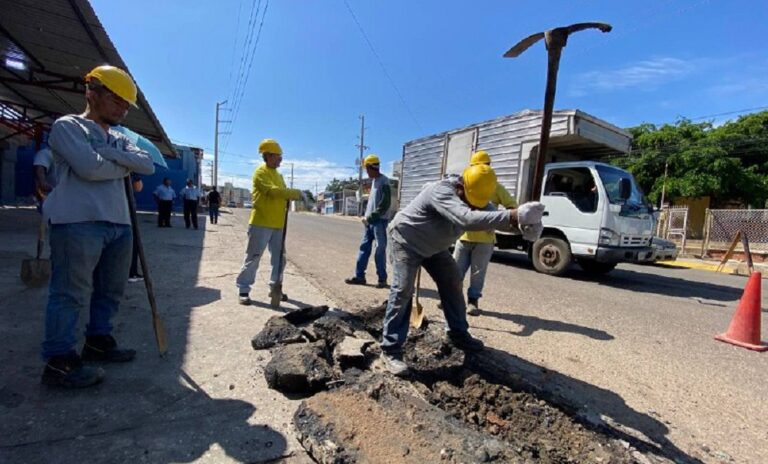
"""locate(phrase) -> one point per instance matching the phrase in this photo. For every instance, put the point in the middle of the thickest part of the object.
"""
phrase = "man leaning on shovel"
(90, 230)
(420, 236)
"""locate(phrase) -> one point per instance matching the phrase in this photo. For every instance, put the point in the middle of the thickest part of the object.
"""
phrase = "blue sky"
(437, 66)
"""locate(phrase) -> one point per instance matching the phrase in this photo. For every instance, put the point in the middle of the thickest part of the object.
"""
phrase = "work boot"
(103, 348)
(472, 306)
(68, 371)
(382, 284)
(394, 364)
(463, 341)
(244, 299)
(355, 281)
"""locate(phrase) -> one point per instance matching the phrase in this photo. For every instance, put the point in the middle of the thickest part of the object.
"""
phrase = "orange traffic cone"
(744, 330)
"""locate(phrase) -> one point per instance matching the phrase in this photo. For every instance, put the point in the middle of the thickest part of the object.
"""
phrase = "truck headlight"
(608, 237)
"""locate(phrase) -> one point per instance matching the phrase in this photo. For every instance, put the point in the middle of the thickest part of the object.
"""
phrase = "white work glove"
(529, 220)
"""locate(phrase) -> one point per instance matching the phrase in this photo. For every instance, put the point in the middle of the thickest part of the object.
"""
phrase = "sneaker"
(103, 348)
(68, 371)
(382, 284)
(244, 299)
(472, 306)
(136, 278)
(354, 281)
(464, 341)
(394, 364)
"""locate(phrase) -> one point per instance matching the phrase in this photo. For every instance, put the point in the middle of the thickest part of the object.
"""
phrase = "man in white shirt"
(164, 195)
(190, 195)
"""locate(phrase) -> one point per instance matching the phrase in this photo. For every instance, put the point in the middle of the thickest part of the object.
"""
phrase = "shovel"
(417, 313)
(36, 272)
(276, 295)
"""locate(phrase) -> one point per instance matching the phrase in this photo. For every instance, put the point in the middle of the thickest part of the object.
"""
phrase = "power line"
(381, 64)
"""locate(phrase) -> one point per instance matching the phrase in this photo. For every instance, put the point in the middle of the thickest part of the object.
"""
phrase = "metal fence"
(673, 223)
(721, 226)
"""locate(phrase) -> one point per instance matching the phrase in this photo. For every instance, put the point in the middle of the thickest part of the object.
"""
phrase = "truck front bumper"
(623, 255)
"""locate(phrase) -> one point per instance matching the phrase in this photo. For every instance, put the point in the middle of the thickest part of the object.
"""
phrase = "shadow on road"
(531, 324)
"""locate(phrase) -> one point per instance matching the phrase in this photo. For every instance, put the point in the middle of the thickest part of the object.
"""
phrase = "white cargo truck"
(596, 214)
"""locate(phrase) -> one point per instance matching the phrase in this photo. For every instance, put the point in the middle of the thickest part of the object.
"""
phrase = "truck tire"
(594, 267)
(551, 255)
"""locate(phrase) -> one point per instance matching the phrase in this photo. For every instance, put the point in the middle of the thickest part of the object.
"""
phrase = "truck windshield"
(611, 177)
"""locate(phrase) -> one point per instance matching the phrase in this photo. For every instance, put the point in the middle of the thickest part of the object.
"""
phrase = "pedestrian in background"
(214, 201)
(270, 203)
(164, 196)
(90, 229)
(377, 216)
(190, 195)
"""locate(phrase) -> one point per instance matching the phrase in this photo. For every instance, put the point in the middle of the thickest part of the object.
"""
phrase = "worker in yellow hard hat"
(473, 250)
(90, 229)
(420, 235)
(268, 215)
(378, 212)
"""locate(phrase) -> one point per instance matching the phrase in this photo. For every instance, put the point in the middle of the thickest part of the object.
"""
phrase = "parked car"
(247, 204)
(232, 204)
(663, 250)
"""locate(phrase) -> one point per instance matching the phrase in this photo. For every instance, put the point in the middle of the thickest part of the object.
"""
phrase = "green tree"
(338, 185)
(310, 196)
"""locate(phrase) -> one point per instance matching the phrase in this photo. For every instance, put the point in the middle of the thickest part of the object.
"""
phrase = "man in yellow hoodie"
(270, 203)
(474, 249)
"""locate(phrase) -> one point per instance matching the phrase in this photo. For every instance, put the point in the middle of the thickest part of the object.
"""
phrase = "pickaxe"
(555, 40)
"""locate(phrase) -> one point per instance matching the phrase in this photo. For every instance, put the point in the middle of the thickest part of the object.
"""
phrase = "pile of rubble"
(455, 407)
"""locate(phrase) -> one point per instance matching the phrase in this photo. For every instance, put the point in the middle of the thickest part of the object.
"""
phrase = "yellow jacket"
(270, 197)
(500, 197)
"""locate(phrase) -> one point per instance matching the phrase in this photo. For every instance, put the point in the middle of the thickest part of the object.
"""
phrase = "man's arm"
(262, 183)
(68, 140)
(505, 199)
(385, 202)
(447, 204)
(130, 156)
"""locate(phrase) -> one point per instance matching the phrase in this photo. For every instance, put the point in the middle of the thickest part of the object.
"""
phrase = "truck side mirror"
(625, 188)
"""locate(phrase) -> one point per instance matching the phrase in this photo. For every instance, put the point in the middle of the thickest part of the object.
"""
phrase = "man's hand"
(45, 187)
(365, 221)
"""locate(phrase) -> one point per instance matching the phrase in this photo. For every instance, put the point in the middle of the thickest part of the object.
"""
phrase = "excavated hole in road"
(353, 412)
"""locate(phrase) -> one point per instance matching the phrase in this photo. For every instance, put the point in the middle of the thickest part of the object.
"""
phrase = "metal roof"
(57, 42)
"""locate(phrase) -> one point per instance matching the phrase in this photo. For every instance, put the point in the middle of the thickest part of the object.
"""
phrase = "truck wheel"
(551, 255)
(594, 267)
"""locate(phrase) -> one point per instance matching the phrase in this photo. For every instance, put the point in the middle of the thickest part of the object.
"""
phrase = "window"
(576, 184)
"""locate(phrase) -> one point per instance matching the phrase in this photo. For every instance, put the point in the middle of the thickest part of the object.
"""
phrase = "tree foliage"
(338, 185)
(727, 163)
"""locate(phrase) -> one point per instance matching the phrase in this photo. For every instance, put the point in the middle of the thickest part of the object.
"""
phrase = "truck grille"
(634, 240)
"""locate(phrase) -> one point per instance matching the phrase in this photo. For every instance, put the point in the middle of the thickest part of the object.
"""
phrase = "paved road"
(634, 346)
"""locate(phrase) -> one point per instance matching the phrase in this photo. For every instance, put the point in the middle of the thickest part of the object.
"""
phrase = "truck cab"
(596, 216)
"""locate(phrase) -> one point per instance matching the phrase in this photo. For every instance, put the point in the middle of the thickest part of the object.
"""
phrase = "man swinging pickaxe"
(555, 40)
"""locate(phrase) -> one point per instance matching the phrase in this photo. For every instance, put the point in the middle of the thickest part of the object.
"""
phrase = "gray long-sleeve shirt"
(437, 217)
(91, 165)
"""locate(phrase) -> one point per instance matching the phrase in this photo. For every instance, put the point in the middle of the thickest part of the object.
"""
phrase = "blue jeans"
(473, 257)
(443, 270)
(89, 263)
(213, 213)
(376, 230)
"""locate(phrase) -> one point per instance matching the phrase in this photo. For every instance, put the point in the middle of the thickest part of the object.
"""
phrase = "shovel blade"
(35, 272)
(276, 295)
(417, 316)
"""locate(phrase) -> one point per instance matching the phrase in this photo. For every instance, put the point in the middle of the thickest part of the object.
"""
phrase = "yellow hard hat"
(480, 157)
(116, 80)
(479, 184)
(270, 146)
(371, 159)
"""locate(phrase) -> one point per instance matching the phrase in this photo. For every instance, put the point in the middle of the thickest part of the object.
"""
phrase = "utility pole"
(362, 148)
(291, 175)
(663, 194)
(210, 163)
(215, 173)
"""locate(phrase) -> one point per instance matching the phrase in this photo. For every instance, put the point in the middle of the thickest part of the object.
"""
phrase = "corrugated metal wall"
(501, 138)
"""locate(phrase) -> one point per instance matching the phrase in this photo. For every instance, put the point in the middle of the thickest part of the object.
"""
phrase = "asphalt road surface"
(636, 346)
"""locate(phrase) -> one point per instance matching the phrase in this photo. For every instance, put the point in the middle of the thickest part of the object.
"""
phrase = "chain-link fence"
(722, 225)
(673, 223)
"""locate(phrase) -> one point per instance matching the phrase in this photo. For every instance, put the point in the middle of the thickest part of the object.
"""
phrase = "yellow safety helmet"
(479, 184)
(116, 80)
(270, 146)
(371, 159)
(480, 157)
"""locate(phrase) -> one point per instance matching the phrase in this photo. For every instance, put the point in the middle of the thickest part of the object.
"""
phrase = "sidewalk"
(206, 401)
(731, 267)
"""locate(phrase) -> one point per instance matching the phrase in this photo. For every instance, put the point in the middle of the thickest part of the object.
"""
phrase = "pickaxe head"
(554, 38)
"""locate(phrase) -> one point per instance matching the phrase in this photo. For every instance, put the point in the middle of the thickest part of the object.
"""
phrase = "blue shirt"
(190, 193)
(165, 193)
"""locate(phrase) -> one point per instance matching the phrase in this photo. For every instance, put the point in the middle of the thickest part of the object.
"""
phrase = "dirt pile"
(453, 408)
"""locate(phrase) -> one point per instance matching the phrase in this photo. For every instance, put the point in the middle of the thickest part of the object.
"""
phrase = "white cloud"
(646, 75)
(309, 173)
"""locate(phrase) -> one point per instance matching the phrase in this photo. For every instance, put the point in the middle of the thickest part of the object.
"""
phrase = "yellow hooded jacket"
(500, 197)
(270, 197)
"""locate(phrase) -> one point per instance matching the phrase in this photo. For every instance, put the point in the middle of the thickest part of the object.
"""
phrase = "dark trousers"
(190, 209)
(213, 212)
(164, 208)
